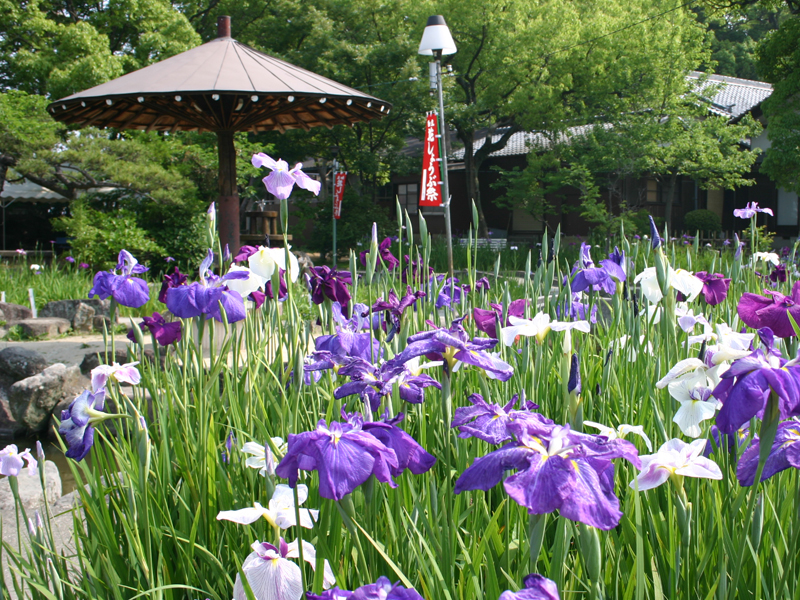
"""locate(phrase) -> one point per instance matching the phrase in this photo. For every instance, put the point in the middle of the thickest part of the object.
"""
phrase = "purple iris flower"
(746, 386)
(83, 266)
(385, 253)
(410, 455)
(655, 240)
(490, 422)
(536, 588)
(170, 281)
(482, 285)
(603, 278)
(283, 290)
(344, 455)
(383, 589)
(486, 320)
(244, 253)
(374, 383)
(715, 287)
(324, 282)
(557, 469)
(450, 293)
(737, 255)
(349, 341)
(169, 259)
(750, 210)
(757, 311)
(577, 310)
(77, 422)
(206, 296)
(281, 180)
(415, 275)
(734, 440)
(126, 290)
(69, 259)
(395, 307)
(785, 453)
(165, 333)
(778, 274)
(574, 381)
(454, 345)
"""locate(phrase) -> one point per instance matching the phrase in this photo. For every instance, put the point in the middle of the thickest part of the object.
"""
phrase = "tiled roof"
(733, 98)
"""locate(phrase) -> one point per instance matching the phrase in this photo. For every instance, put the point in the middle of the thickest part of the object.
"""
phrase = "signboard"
(430, 193)
(338, 193)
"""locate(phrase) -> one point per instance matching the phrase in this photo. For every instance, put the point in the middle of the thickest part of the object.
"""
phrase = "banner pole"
(333, 212)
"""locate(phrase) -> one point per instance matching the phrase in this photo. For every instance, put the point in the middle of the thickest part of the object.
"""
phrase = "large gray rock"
(49, 327)
(30, 489)
(18, 363)
(80, 313)
(32, 400)
(15, 312)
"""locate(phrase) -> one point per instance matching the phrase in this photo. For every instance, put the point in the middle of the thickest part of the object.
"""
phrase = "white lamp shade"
(437, 37)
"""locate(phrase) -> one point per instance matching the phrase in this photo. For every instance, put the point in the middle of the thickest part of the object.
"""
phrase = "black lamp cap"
(435, 20)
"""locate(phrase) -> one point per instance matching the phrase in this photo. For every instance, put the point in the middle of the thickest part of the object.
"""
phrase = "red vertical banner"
(430, 190)
(338, 193)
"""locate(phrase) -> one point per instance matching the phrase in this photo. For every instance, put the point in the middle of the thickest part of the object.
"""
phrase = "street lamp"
(437, 41)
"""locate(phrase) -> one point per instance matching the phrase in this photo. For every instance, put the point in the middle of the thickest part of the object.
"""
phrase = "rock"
(98, 321)
(49, 327)
(15, 312)
(91, 360)
(84, 315)
(32, 400)
(19, 363)
(30, 489)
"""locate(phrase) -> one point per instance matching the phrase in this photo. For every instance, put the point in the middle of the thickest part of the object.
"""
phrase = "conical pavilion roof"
(220, 85)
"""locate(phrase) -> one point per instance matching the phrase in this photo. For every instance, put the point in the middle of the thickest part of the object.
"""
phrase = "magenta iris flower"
(125, 289)
(454, 345)
(324, 282)
(206, 296)
(778, 274)
(785, 453)
(170, 281)
(347, 454)
(414, 275)
(165, 333)
(750, 210)
(491, 422)
(69, 259)
(395, 307)
(715, 287)
(486, 320)
(746, 386)
(385, 253)
(535, 587)
(757, 311)
(557, 469)
(281, 180)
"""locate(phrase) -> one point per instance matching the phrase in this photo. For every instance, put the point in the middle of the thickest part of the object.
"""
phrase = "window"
(408, 195)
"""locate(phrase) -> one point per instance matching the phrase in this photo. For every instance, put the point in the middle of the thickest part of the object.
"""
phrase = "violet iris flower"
(11, 463)
(603, 278)
(77, 423)
(244, 253)
(490, 422)
(486, 320)
(165, 333)
(395, 307)
(281, 180)
(450, 293)
(410, 455)
(415, 275)
(655, 240)
(454, 345)
(348, 342)
(374, 382)
(170, 281)
(785, 453)
(385, 253)
(69, 259)
(383, 589)
(126, 290)
(346, 455)
(482, 285)
(557, 469)
(324, 282)
(206, 295)
(757, 311)
(536, 588)
(746, 386)
(731, 441)
(778, 274)
(577, 310)
(750, 210)
(715, 287)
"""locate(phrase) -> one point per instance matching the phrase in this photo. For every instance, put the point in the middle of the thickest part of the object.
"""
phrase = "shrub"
(702, 220)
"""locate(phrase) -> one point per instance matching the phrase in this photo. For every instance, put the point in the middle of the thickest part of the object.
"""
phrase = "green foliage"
(779, 61)
(764, 238)
(358, 215)
(702, 220)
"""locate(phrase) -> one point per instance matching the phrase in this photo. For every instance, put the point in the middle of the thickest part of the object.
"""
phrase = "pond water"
(51, 452)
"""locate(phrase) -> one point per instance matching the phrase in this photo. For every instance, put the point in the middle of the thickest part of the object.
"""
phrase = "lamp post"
(436, 42)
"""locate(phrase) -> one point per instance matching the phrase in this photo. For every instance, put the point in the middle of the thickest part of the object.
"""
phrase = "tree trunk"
(473, 184)
(228, 204)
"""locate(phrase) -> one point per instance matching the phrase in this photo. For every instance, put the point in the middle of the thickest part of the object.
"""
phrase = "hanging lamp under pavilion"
(221, 86)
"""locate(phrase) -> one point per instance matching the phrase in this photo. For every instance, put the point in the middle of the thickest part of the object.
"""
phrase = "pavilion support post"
(228, 205)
